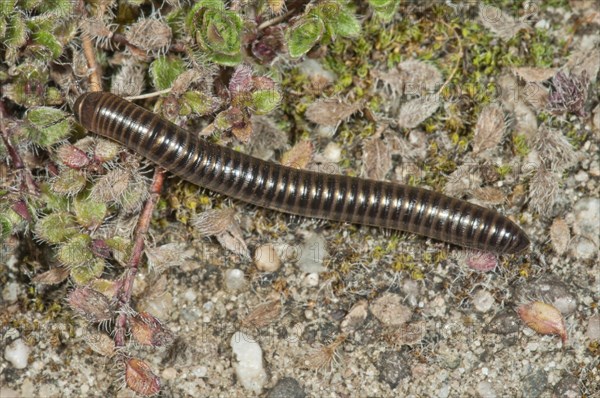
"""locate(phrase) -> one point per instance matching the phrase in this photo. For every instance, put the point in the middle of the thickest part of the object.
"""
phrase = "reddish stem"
(141, 229)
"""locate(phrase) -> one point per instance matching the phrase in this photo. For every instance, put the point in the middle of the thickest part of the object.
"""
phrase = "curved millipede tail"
(305, 193)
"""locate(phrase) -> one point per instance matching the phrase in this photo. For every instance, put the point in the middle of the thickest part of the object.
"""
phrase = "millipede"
(286, 189)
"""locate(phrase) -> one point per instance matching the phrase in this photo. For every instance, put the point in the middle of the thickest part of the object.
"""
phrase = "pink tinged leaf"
(140, 378)
(101, 249)
(147, 330)
(90, 304)
(482, 261)
(241, 80)
(544, 319)
(20, 207)
(72, 157)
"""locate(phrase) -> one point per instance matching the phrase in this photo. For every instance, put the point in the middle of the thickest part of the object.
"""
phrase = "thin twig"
(141, 229)
(13, 152)
(460, 55)
(90, 56)
(276, 20)
(149, 95)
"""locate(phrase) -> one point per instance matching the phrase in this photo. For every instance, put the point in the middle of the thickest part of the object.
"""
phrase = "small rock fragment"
(559, 235)
(486, 390)
(390, 310)
(17, 353)
(587, 219)
(356, 317)
(593, 328)
(249, 362)
(505, 322)
(551, 290)
(393, 368)
(266, 258)
(483, 301)
(567, 387)
(312, 253)
(287, 387)
(235, 279)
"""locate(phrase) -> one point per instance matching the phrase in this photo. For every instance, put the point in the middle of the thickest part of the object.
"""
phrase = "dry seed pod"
(140, 378)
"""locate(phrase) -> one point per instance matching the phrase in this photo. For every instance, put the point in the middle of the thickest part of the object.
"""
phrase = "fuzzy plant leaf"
(48, 40)
(76, 252)
(69, 182)
(89, 213)
(47, 126)
(264, 101)
(7, 7)
(84, 274)
(218, 31)
(385, 9)
(56, 227)
(198, 102)
(16, 31)
(346, 24)
(57, 8)
(303, 35)
(6, 228)
(164, 71)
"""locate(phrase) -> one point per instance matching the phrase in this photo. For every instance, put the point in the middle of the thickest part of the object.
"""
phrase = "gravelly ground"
(359, 327)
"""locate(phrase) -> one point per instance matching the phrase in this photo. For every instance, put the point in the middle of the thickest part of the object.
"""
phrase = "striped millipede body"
(305, 193)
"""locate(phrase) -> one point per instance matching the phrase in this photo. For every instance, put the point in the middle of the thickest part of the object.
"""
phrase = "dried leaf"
(168, 255)
(267, 137)
(241, 80)
(110, 186)
(569, 93)
(560, 235)
(129, 80)
(90, 304)
(52, 276)
(554, 149)
(489, 195)
(419, 77)
(543, 318)
(233, 240)
(213, 222)
(543, 190)
(99, 342)
(263, 315)
(330, 112)
(323, 356)
(139, 377)
(534, 74)
(147, 330)
(415, 111)
(151, 35)
(462, 180)
(585, 60)
(299, 156)
(501, 23)
(489, 129)
(377, 158)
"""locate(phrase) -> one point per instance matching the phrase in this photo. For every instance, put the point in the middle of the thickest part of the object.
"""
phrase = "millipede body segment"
(305, 193)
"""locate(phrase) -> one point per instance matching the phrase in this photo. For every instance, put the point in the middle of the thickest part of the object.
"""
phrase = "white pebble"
(190, 295)
(587, 218)
(266, 258)
(249, 365)
(332, 152)
(311, 280)
(17, 353)
(483, 301)
(486, 390)
(593, 329)
(235, 279)
(10, 292)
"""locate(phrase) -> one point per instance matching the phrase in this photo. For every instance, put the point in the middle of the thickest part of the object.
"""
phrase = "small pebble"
(356, 317)
(235, 279)
(169, 374)
(17, 353)
(550, 289)
(587, 218)
(486, 390)
(584, 249)
(483, 301)
(593, 328)
(266, 258)
(393, 368)
(10, 292)
(287, 387)
(311, 253)
(333, 152)
(311, 280)
(249, 362)
(390, 310)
